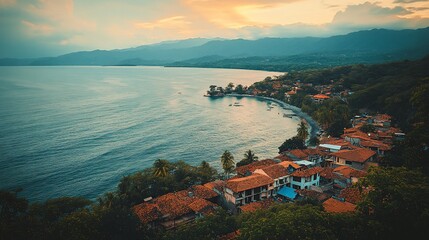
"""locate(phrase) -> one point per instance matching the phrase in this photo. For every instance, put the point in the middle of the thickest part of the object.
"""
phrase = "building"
(355, 158)
(304, 179)
(337, 206)
(174, 209)
(246, 170)
(319, 98)
(242, 191)
(279, 173)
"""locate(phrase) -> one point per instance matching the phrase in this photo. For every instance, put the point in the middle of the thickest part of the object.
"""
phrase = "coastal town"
(326, 172)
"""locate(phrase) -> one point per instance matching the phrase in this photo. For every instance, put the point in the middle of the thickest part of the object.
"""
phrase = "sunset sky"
(37, 28)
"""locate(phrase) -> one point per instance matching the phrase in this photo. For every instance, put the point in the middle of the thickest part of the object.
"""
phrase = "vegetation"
(249, 157)
(227, 160)
(292, 143)
(302, 131)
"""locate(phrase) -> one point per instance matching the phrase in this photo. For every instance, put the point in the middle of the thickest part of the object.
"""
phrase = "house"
(254, 206)
(319, 98)
(174, 209)
(217, 186)
(310, 154)
(376, 146)
(350, 175)
(355, 158)
(278, 173)
(242, 191)
(337, 206)
(353, 195)
(303, 179)
(312, 194)
(246, 170)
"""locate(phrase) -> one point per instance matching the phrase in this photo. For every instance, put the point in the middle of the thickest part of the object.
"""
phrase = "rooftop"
(254, 206)
(307, 173)
(320, 96)
(336, 206)
(249, 182)
(253, 166)
(360, 155)
(349, 172)
(352, 195)
(274, 171)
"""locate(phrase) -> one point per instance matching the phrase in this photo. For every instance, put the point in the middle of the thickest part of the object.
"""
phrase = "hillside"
(280, 54)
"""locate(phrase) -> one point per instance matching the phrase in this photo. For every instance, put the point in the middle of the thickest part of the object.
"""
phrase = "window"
(296, 179)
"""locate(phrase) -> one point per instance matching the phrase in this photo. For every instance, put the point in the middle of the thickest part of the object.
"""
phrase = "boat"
(237, 104)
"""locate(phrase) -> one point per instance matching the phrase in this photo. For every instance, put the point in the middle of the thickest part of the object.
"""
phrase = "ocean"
(76, 131)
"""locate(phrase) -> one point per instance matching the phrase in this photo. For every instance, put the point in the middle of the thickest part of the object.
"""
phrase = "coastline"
(313, 126)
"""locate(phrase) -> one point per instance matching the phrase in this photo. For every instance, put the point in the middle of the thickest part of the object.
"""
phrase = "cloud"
(408, 1)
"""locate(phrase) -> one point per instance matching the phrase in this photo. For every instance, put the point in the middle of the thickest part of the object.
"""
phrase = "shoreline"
(313, 126)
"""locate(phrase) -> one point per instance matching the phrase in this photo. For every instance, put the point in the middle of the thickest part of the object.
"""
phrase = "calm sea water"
(76, 131)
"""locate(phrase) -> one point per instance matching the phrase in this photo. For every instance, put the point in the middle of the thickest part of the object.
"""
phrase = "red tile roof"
(282, 158)
(275, 171)
(286, 164)
(360, 155)
(202, 206)
(249, 182)
(230, 236)
(218, 185)
(353, 195)
(147, 212)
(313, 194)
(376, 144)
(299, 153)
(349, 172)
(254, 206)
(307, 173)
(328, 173)
(253, 166)
(337, 206)
(320, 96)
(200, 191)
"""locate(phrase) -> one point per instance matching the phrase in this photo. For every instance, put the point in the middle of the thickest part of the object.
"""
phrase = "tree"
(160, 168)
(249, 157)
(398, 199)
(314, 141)
(207, 173)
(239, 89)
(227, 160)
(302, 131)
(292, 143)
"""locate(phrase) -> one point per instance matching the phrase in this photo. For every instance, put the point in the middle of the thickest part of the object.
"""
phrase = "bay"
(76, 131)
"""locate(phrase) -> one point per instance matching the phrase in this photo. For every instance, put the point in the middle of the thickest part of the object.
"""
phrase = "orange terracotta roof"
(320, 96)
(336, 206)
(172, 205)
(249, 182)
(313, 194)
(360, 155)
(299, 153)
(291, 92)
(349, 172)
(383, 117)
(376, 144)
(286, 164)
(253, 166)
(353, 195)
(307, 172)
(217, 184)
(283, 157)
(254, 206)
(328, 173)
(147, 212)
(275, 171)
(200, 191)
(230, 236)
(333, 141)
(202, 206)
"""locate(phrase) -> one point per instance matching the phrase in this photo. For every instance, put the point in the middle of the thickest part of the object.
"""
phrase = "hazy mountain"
(370, 45)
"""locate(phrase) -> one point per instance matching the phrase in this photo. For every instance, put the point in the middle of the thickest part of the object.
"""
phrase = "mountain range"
(369, 46)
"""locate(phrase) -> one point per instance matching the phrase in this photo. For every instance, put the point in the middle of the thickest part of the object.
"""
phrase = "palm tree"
(302, 131)
(227, 161)
(160, 168)
(249, 157)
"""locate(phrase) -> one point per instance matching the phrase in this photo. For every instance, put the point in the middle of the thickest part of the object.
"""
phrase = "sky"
(41, 28)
